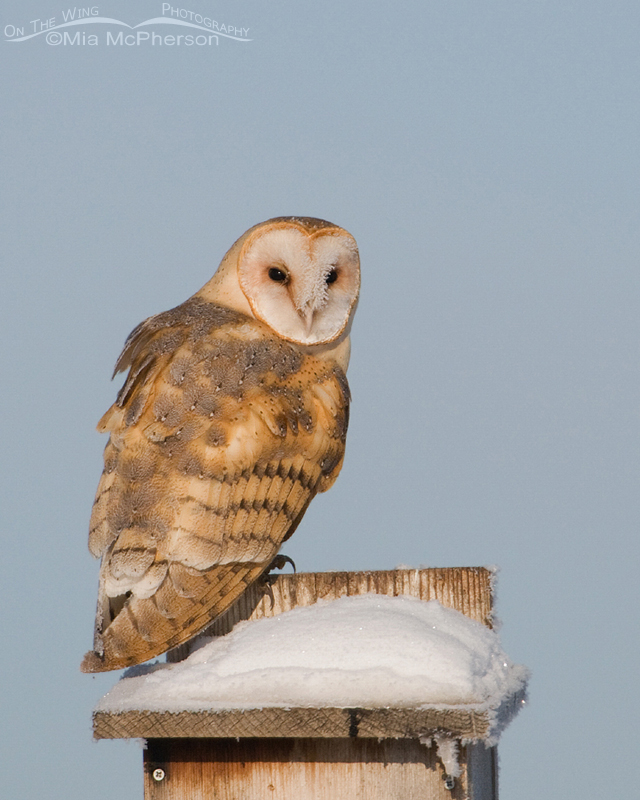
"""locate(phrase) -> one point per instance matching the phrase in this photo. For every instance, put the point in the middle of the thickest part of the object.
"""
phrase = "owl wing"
(219, 439)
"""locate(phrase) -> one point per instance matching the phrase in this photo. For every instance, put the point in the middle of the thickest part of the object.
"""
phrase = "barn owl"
(232, 417)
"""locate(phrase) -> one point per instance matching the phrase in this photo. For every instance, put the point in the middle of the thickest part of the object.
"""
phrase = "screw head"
(449, 783)
(158, 774)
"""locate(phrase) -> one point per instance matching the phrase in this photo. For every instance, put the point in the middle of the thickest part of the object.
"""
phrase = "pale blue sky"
(485, 156)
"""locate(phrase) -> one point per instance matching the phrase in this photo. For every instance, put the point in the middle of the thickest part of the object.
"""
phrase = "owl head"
(298, 275)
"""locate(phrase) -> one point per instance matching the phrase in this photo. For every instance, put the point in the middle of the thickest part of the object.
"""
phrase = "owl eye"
(277, 275)
(332, 277)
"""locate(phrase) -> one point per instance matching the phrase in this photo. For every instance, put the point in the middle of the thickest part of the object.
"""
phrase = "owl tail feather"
(187, 601)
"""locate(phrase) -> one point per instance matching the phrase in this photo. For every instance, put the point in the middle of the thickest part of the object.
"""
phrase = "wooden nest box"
(325, 752)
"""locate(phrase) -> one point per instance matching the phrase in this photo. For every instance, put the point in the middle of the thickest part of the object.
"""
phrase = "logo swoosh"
(168, 21)
(110, 21)
(103, 20)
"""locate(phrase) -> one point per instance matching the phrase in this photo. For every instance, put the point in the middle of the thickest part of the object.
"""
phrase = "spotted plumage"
(223, 432)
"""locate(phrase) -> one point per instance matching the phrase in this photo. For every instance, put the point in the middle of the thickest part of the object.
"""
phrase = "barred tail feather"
(145, 628)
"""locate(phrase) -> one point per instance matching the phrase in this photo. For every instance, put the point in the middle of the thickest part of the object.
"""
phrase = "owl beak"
(306, 315)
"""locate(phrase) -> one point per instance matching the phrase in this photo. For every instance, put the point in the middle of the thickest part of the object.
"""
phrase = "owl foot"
(279, 562)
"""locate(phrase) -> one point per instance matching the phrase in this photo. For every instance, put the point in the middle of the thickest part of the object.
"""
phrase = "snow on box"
(369, 651)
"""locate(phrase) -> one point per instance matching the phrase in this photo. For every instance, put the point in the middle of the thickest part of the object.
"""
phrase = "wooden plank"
(288, 722)
(467, 589)
(305, 769)
(320, 753)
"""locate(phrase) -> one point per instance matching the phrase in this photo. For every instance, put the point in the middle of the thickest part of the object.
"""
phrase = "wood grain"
(308, 769)
(296, 722)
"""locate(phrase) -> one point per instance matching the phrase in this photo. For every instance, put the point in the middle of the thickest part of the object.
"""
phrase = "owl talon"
(279, 562)
(268, 590)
